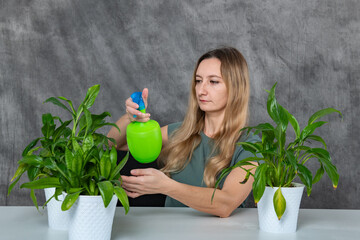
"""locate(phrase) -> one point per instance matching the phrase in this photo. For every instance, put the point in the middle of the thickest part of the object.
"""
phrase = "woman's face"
(211, 92)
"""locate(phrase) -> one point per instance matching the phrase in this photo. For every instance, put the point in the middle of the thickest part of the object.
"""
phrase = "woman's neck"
(213, 123)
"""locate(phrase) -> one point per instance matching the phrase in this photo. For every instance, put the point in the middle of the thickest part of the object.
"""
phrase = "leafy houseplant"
(77, 161)
(280, 163)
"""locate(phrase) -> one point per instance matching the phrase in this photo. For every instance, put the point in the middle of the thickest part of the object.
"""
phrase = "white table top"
(186, 223)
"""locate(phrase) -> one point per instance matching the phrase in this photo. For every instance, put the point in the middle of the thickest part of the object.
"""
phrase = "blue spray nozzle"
(137, 98)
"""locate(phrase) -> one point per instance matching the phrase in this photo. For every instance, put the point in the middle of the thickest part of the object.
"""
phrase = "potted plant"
(280, 163)
(85, 170)
(37, 162)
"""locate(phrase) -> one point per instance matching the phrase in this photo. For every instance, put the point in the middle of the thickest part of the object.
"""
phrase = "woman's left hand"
(145, 181)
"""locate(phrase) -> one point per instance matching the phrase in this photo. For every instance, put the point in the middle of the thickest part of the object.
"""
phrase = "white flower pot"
(58, 219)
(90, 220)
(268, 221)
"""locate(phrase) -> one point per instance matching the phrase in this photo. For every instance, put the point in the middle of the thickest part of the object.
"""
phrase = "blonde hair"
(183, 141)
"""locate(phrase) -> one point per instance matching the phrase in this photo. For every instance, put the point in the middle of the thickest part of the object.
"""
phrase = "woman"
(198, 149)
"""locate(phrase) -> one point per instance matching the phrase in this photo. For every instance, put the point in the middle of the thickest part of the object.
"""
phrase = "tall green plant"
(78, 161)
(280, 163)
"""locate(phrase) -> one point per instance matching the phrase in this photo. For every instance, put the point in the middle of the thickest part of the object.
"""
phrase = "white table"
(186, 223)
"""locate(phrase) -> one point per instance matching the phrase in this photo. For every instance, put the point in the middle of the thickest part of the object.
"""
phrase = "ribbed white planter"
(58, 219)
(268, 220)
(90, 220)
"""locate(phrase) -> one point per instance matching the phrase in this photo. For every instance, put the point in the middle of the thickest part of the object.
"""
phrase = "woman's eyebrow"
(210, 76)
(214, 75)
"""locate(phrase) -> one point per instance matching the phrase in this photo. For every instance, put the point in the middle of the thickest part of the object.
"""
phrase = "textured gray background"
(62, 47)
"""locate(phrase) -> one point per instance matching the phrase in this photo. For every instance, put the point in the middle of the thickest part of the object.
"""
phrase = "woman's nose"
(203, 88)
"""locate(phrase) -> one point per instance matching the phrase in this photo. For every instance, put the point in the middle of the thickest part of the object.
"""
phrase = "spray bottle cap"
(137, 98)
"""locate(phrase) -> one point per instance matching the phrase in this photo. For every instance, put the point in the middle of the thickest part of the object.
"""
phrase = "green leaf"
(75, 145)
(34, 199)
(88, 143)
(279, 203)
(91, 96)
(330, 170)
(88, 120)
(61, 130)
(294, 123)
(49, 126)
(276, 111)
(268, 139)
(322, 113)
(75, 190)
(320, 152)
(107, 191)
(98, 119)
(119, 166)
(259, 182)
(20, 171)
(32, 172)
(113, 157)
(49, 163)
(310, 129)
(58, 103)
(272, 106)
(280, 135)
(248, 173)
(77, 163)
(302, 148)
(283, 117)
(42, 183)
(47, 118)
(291, 158)
(30, 146)
(105, 124)
(105, 165)
(123, 198)
(263, 127)
(69, 102)
(319, 174)
(32, 160)
(69, 158)
(318, 139)
(251, 147)
(69, 200)
(306, 177)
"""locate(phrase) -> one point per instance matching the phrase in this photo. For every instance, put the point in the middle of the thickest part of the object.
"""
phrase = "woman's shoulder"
(173, 126)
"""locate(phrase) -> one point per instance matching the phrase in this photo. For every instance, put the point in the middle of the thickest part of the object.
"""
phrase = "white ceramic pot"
(58, 219)
(90, 220)
(268, 221)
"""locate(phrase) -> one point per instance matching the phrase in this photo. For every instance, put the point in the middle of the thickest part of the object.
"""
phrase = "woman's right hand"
(131, 108)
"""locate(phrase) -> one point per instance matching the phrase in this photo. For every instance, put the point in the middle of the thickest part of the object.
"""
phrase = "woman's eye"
(214, 82)
(197, 81)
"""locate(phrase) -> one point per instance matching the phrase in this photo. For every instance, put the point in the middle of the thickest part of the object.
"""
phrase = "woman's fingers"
(132, 194)
(130, 103)
(145, 94)
(131, 109)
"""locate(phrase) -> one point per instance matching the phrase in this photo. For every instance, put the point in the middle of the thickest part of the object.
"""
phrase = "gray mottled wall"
(62, 47)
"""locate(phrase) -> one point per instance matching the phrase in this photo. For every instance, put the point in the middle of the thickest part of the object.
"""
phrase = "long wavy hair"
(181, 144)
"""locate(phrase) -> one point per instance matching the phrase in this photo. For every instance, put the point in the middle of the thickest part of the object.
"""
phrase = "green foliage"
(281, 163)
(77, 161)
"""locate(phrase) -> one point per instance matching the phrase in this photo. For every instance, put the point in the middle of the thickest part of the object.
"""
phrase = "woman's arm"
(226, 200)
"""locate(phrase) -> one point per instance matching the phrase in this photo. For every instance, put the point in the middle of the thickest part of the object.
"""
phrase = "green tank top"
(193, 172)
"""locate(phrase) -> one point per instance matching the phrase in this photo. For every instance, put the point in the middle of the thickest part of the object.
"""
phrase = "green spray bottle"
(143, 138)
